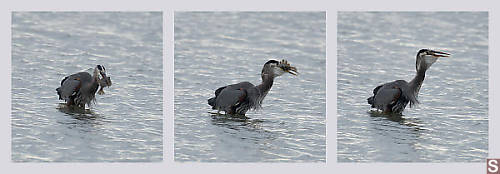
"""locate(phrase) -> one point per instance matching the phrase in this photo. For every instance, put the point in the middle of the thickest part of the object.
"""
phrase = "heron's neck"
(95, 77)
(267, 83)
(417, 81)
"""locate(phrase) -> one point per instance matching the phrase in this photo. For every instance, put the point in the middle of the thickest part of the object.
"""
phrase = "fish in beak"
(105, 81)
(285, 66)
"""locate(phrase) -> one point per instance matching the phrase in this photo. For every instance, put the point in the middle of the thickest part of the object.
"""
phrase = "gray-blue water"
(126, 122)
(451, 122)
(217, 49)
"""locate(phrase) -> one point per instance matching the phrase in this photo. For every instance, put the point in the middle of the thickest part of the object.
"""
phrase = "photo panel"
(87, 87)
(250, 86)
(393, 106)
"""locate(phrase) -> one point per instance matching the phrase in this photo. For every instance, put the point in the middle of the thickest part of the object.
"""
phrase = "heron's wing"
(230, 97)
(242, 85)
(217, 92)
(69, 87)
(376, 89)
(386, 97)
(62, 81)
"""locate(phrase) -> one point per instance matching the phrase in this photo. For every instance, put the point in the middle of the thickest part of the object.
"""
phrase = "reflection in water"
(80, 117)
(247, 135)
(236, 123)
(391, 116)
(413, 123)
(403, 135)
(73, 110)
(229, 116)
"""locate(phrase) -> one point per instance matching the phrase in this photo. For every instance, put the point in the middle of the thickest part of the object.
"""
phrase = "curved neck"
(95, 76)
(417, 81)
(267, 83)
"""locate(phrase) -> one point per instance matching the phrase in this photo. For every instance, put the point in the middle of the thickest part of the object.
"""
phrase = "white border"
(168, 8)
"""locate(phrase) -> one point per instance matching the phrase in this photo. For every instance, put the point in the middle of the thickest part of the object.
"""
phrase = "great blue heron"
(393, 97)
(80, 88)
(237, 99)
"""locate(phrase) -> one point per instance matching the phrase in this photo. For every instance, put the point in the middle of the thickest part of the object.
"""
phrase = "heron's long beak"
(439, 54)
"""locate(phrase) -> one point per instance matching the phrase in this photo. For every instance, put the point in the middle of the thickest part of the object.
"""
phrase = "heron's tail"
(59, 92)
(370, 101)
(211, 102)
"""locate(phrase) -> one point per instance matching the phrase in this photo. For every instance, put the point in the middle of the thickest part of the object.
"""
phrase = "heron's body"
(240, 104)
(390, 97)
(241, 97)
(79, 89)
(393, 97)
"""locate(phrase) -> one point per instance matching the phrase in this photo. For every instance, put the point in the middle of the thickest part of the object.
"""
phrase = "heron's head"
(278, 68)
(100, 70)
(426, 57)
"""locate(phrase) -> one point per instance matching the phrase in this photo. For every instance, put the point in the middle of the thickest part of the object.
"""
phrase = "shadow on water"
(414, 123)
(237, 122)
(80, 115)
(390, 116)
(394, 134)
(235, 117)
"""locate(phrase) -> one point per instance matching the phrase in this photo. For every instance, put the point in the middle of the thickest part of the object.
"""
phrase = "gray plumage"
(79, 89)
(393, 97)
(241, 97)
